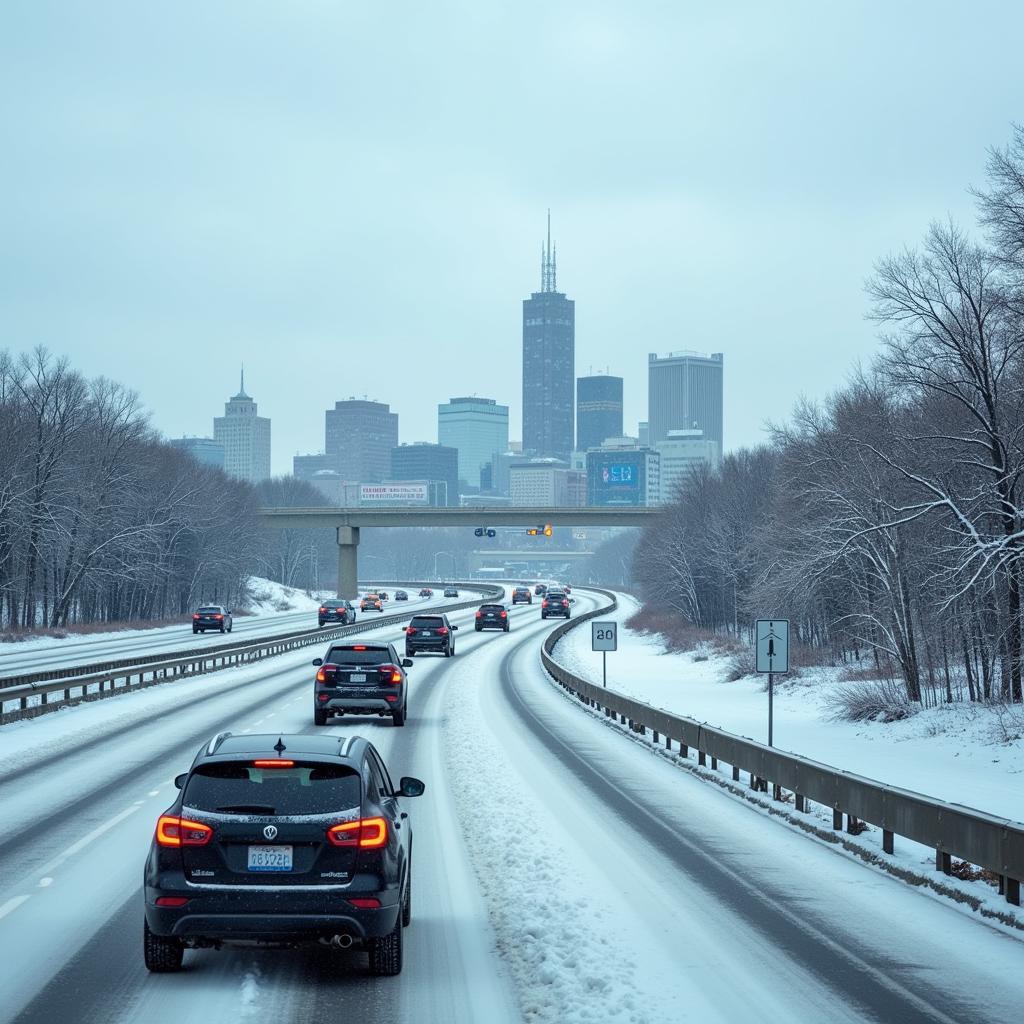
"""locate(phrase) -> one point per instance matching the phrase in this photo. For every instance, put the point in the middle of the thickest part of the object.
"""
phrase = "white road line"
(44, 882)
(12, 904)
(154, 792)
(89, 838)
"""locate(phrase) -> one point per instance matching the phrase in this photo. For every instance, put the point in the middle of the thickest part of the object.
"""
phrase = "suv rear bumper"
(276, 914)
(373, 703)
(440, 644)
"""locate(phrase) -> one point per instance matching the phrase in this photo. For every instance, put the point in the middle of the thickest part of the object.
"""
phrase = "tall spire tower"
(549, 341)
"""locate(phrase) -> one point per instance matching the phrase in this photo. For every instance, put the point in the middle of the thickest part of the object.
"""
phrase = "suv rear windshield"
(556, 593)
(237, 787)
(350, 656)
(492, 607)
(427, 621)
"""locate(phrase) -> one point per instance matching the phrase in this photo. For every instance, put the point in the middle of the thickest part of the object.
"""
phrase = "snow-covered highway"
(561, 872)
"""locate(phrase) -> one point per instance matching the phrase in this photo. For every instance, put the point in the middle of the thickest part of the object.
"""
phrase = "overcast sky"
(350, 197)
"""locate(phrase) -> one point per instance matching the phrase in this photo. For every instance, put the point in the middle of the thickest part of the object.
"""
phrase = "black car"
(212, 616)
(430, 633)
(337, 611)
(361, 679)
(556, 602)
(521, 594)
(401, 595)
(281, 840)
(540, 590)
(451, 592)
(492, 616)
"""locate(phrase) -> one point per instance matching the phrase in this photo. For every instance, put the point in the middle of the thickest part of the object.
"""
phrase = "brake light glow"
(504, 615)
(218, 616)
(443, 631)
(174, 831)
(196, 616)
(171, 901)
(276, 763)
(368, 833)
(323, 609)
(409, 631)
(544, 603)
(324, 672)
(359, 647)
(365, 903)
(479, 615)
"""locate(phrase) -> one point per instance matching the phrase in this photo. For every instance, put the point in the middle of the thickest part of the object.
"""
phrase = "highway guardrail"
(93, 682)
(952, 830)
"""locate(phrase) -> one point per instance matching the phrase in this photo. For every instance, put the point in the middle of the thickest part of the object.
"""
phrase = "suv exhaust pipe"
(343, 941)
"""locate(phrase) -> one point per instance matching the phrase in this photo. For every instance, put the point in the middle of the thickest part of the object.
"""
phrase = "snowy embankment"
(267, 599)
(963, 753)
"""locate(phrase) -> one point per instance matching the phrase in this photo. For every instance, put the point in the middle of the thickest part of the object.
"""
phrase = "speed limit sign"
(604, 636)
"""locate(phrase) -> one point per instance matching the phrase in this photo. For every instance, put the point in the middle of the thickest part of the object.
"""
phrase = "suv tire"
(319, 716)
(162, 953)
(398, 717)
(386, 952)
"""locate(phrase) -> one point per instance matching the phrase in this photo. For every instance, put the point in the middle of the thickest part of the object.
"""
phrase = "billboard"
(616, 478)
(394, 494)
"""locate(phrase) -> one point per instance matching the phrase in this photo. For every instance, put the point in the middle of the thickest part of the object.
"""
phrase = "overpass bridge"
(349, 521)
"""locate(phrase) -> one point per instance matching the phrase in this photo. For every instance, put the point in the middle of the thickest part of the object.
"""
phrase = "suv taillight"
(393, 671)
(409, 631)
(479, 615)
(504, 615)
(544, 603)
(322, 610)
(368, 833)
(443, 631)
(325, 673)
(196, 616)
(174, 831)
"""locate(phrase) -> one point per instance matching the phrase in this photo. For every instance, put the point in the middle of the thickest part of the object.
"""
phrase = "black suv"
(556, 602)
(451, 591)
(212, 616)
(337, 611)
(281, 840)
(492, 616)
(520, 594)
(430, 633)
(361, 679)
(401, 595)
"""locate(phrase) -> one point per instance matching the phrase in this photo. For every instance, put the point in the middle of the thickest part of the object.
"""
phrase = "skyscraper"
(549, 341)
(598, 410)
(685, 393)
(478, 428)
(203, 449)
(245, 438)
(359, 436)
(435, 463)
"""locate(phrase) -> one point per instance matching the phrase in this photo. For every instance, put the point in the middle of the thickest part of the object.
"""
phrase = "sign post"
(604, 637)
(772, 655)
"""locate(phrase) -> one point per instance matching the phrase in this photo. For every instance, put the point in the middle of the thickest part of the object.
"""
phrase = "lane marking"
(154, 792)
(44, 882)
(91, 837)
(12, 904)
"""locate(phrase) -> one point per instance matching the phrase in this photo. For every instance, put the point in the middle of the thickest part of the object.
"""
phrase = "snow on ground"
(266, 597)
(961, 753)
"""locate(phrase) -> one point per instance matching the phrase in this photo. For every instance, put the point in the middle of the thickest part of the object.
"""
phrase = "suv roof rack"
(214, 743)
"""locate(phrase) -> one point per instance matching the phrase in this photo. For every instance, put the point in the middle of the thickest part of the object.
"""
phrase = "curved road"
(561, 873)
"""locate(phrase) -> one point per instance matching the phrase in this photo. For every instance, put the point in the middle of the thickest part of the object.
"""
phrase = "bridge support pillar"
(348, 562)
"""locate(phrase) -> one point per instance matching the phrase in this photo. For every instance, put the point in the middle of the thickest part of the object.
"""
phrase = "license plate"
(270, 858)
(427, 632)
(357, 677)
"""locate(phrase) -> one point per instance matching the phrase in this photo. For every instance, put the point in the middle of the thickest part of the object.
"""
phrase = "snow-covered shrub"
(880, 700)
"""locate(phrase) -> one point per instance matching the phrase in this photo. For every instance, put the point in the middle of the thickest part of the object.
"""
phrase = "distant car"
(492, 616)
(426, 592)
(281, 839)
(521, 594)
(361, 679)
(540, 590)
(556, 602)
(212, 616)
(567, 588)
(383, 595)
(430, 633)
(336, 611)
(371, 603)
(451, 592)
(401, 595)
